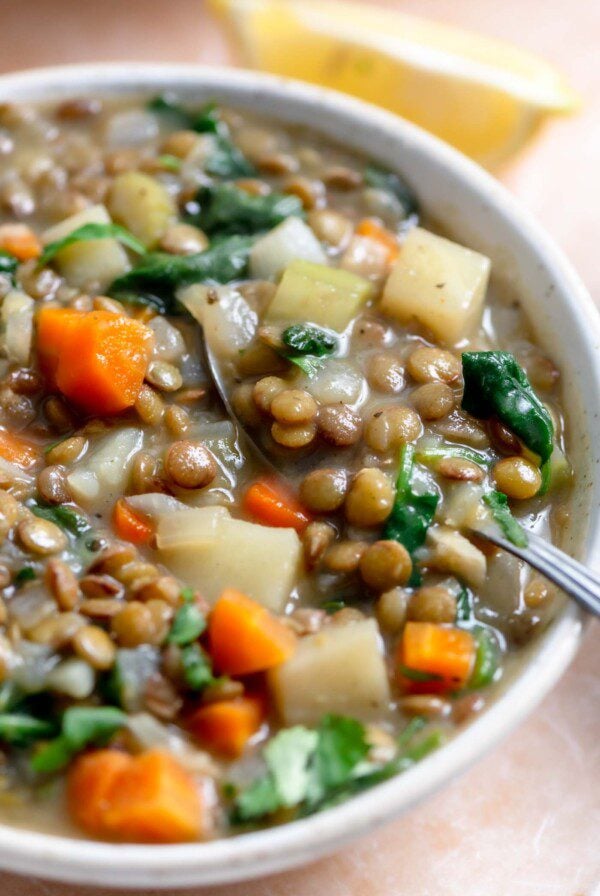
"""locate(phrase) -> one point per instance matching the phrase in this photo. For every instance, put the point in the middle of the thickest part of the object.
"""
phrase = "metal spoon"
(574, 579)
(570, 575)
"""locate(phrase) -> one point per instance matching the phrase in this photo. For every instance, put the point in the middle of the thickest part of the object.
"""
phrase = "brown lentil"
(339, 425)
(537, 594)
(177, 420)
(265, 390)
(9, 513)
(260, 359)
(134, 624)
(62, 583)
(165, 588)
(223, 689)
(431, 365)
(59, 415)
(370, 498)
(180, 143)
(432, 604)
(149, 406)
(460, 469)
(502, 439)
(433, 400)
(316, 538)
(41, 536)
(164, 376)
(242, 400)
(389, 428)
(113, 558)
(428, 705)
(25, 381)
(292, 406)
(162, 614)
(144, 474)
(67, 451)
(100, 607)
(385, 373)
(105, 303)
(52, 485)
(344, 557)
(346, 616)
(183, 239)
(136, 571)
(517, 477)
(541, 372)
(311, 193)
(190, 464)
(330, 227)
(101, 585)
(78, 109)
(390, 610)
(324, 490)
(56, 631)
(277, 163)
(339, 177)
(385, 564)
(161, 698)
(293, 436)
(93, 645)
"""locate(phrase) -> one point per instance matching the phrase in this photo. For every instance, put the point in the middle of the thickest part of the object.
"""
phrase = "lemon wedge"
(485, 97)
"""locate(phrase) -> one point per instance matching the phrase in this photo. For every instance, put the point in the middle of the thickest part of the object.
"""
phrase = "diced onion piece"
(290, 240)
(17, 318)
(102, 476)
(155, 504)
(142, 204)
(169, 344)
(151, 734)
(336, 381)
(228, 321)
(132, 127)
(452, 552)
(439, 283)
(340, 669)
(88, 263)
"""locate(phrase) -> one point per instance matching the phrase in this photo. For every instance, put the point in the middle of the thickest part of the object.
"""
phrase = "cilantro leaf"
(65, 517)
(288, 756)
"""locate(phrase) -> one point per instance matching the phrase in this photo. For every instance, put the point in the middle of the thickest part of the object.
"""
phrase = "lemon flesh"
(484, 97)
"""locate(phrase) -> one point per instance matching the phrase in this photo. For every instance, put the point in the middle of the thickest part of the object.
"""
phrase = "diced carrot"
(20, 241)
(89, 783)
(52, 325)
(99, 358)
(272, 504)
(148, 798)
(18, 451)
(372, 229)
(447, 654)
(226, 726)
(244, 637)
(129, 525)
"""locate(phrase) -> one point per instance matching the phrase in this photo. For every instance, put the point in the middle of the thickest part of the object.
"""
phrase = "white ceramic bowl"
(482, 214)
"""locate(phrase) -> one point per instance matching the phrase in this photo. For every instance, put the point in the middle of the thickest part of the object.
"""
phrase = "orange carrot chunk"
(20, 241)
(98, 359)
(52, 325)
(18, 451)
(89, 783)
(148, 798)
(154, 800)
(244, 637)
(447, 654)
(272, 504)
(373, 230)
(129, 525)
(226, 726)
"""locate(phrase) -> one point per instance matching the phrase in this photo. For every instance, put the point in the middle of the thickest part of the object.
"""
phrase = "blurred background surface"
(526, 820)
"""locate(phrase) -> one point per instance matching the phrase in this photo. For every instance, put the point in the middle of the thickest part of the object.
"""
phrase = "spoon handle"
(570, 575)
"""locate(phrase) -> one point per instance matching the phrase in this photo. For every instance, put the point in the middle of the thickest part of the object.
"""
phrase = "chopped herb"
(308, 364)
(486, 658)
(464, 606)
(227, 161)
(25, 574)
(65, 517)
(8, 264)
(412, 514)
(417, 675)
(156, 279)
(169, 162)
(196, 667)
(496, 385)
(392, 183)
(91, 232)
(333, 606)
(287, 756)
(20, 730)
(432, 456)
(206, 120)
(308, 344)
(187, 626)
(80, 726)
(341, 745)
(225, 209)
(498, 504)
(261, 798)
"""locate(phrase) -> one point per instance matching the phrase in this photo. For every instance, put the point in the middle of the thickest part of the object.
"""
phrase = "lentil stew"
(191, 646)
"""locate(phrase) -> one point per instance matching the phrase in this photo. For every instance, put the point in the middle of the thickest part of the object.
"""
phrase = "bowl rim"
(262, 852)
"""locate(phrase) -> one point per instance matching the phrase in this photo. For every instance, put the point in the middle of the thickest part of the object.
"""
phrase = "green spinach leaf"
(225, 209)
(486, 659)
(65, 517)
(412, 514)
(25, 574)
(155, 280)
(8, 264)
(392, 183)
(496, 385)
(80, 726)
(196, 668)
(206, 120)
(91, 232)
(498, 504)
(20, 730)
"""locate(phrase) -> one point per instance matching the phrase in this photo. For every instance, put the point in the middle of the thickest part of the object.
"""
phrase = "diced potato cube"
(101, 477)
(229, 323)
(452, 552)
(142, 204)
(214, 552)
(340, 669)
(439, 283)
(91, 264)
(17, 319)
(325, 296)
(290, 240)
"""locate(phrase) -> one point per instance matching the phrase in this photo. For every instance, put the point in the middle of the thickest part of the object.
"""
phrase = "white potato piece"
(210, 551)
(452, 552)
(290, 240)
(101, 477)
(325, 296)
(340, 669)
(229, 323)
(17, 321)
(91, 264)
(439, 283)
(142, 204)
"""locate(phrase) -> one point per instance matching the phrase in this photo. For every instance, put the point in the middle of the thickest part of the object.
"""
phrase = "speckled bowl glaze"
(481, 213)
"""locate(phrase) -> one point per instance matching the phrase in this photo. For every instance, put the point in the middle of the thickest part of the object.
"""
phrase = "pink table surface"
(525, 820)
